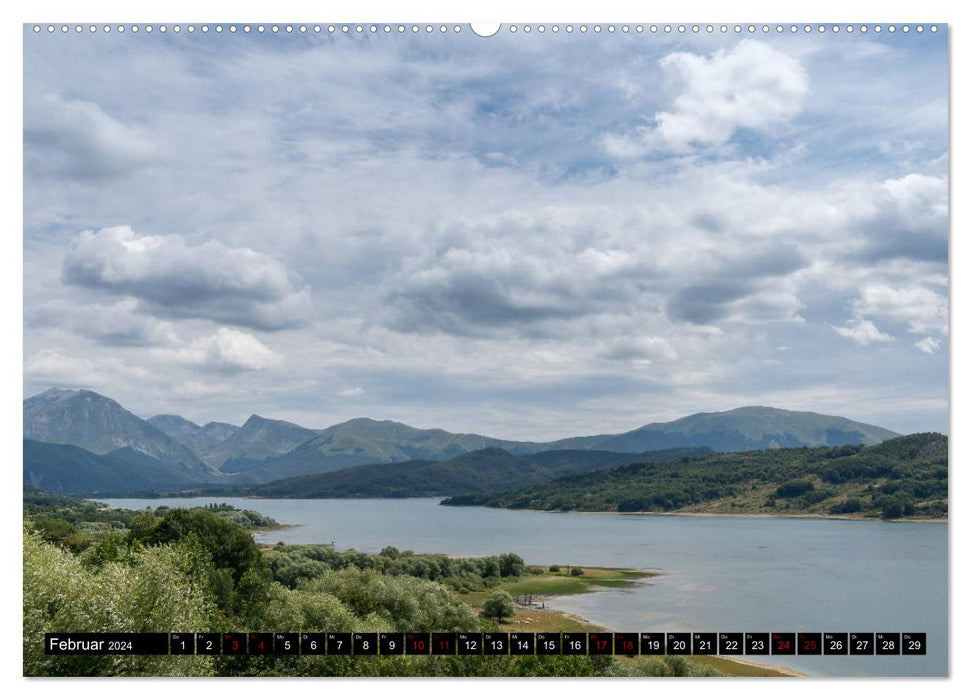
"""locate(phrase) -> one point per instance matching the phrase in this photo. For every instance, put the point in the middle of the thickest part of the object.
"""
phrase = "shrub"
(499, 606)
(511, 565)
(895, 507)
(850, 505)
(794, 487)
(159, 589)
(576, 571)
(554, 569)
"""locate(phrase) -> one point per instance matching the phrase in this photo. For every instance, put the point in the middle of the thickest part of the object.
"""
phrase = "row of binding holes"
(442, 29)
(259, 29)
(724, 28)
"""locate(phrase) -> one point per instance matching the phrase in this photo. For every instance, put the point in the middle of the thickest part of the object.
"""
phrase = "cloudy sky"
(527, 236)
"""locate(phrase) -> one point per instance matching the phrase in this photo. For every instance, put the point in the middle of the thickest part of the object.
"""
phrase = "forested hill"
(902, 477)
(480, 471)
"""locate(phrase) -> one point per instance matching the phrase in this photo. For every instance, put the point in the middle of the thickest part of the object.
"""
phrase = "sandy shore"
(732, 659)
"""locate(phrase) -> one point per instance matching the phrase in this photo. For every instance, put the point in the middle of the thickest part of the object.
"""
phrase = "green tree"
(794, 487)
(850, 505)
(489, 567)
(511, 565)
(892, 508)
(499, 606)
(239, 574)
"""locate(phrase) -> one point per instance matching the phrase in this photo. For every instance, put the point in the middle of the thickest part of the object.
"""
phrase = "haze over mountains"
(168, 450)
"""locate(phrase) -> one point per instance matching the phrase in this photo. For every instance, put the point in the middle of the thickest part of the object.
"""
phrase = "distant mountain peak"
(171, 419)
(219, 424)
(199, 439)
(258, 421)
(257, 440)
(364, 420)
(100, 425)
(56, 394)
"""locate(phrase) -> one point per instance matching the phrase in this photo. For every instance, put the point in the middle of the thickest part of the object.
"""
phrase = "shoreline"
(782, 670)
(555, 618)
(690, 513)
(712, 514)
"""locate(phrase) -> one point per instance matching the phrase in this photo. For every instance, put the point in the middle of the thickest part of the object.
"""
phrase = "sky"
(528, 236)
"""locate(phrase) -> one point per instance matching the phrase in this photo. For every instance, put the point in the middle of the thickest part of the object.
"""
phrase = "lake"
(719, 574)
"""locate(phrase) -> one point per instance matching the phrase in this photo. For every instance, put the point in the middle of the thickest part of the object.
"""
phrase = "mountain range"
(480, 471)
(168, 450)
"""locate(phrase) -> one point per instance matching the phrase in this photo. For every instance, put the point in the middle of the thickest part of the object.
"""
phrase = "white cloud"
(228, 351)
(862, 331)
(351, 391)
(55, 364)
(928, 345)
(922, 309)
(176, 279)
(56, 367)
(752, 86)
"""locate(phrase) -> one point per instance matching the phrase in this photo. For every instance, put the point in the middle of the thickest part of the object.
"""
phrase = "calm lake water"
(719, 574)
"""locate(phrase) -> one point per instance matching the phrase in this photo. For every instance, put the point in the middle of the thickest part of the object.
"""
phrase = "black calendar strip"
(491, 643)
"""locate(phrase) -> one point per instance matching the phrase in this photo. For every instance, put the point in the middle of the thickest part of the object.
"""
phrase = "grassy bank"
(549, 585)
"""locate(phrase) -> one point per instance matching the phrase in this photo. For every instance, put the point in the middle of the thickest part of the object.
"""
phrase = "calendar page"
(449, 349)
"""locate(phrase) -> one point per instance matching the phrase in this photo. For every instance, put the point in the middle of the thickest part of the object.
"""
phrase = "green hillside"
(475, 472)
(745, 428)
(903, 477)
(71, 470)
(256, 441)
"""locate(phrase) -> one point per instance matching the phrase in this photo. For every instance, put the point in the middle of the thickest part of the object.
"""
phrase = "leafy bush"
(292, 564)
(399, 602)
(892, 508)
(511, 565)
(850, 505)
(794, 487)
(160, 590)
(499, 606)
